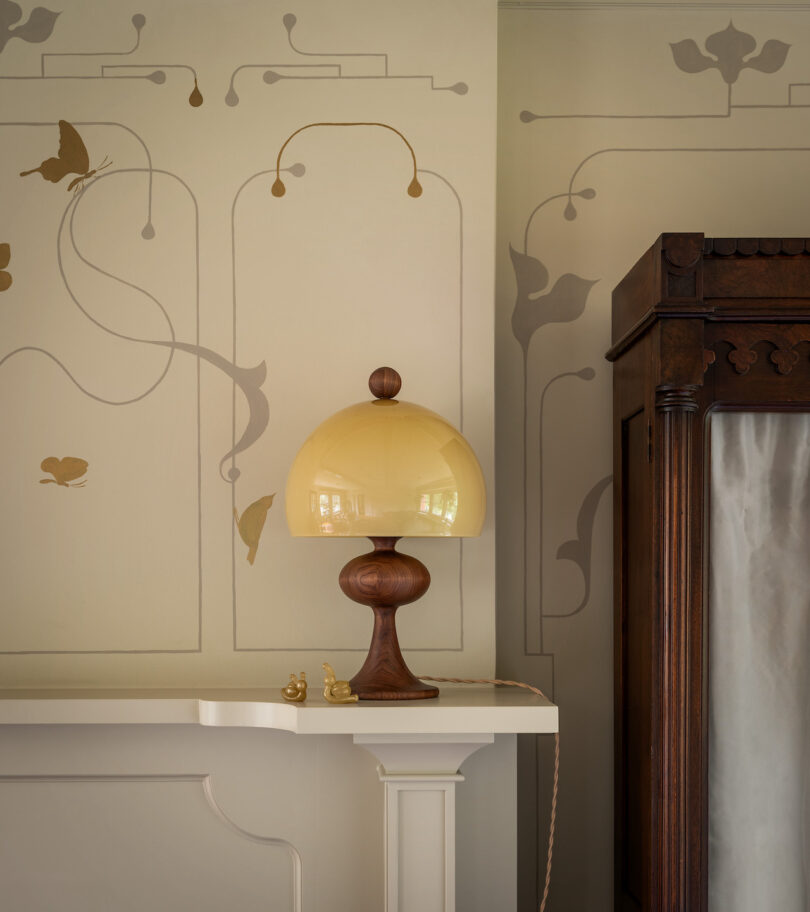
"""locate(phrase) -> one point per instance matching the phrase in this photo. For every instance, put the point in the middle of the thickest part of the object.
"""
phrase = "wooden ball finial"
(384, 383)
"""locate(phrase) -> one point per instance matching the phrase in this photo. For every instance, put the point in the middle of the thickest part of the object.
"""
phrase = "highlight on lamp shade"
(385, 468)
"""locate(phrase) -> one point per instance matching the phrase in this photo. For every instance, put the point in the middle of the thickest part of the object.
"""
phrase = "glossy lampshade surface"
(385, 468)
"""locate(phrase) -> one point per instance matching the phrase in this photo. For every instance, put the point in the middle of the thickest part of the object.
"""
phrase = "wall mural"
(65, 471)
(5, 259)
(72, 158)
(731, 51)
(275, 72)
(143, 328)
(251, 523)
(36, 28)
(414, 190)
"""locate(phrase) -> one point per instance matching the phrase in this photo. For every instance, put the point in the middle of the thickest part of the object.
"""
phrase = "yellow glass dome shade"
(385, 468)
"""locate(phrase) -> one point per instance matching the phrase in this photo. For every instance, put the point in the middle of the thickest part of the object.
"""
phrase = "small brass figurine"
(296, 690)
(335, 691)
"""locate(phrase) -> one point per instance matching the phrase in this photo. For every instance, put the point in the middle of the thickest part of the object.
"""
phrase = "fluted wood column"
(675, 407)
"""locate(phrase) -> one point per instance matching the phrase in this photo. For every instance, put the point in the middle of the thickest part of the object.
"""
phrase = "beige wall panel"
(174, 274)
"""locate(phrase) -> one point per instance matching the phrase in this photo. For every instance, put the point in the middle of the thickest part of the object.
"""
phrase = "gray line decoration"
(273, 71)
(564, 303)
(249, 380)
(36, 28)
(138, 22)
(298, 170)
(68, 219)
(730, 50)
(578, 549)
(157, 76)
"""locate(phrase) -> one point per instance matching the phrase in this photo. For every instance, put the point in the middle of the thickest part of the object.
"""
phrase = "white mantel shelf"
(458, 710)
(420, 746)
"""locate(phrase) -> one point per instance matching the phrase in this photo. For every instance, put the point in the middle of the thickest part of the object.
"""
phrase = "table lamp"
(385, 469)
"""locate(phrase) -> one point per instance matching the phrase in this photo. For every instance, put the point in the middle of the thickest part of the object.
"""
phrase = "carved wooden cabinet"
(699, 325)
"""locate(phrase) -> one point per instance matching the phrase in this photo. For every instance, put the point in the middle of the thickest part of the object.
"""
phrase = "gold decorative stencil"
(72, 158)
(251, 523)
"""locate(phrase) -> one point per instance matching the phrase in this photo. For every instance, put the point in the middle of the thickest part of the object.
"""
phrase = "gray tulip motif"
(730, 48)
(564, 303)
(36, 28)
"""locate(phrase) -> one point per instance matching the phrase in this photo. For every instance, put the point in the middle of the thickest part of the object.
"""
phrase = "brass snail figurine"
(296, 690)
(335, 691)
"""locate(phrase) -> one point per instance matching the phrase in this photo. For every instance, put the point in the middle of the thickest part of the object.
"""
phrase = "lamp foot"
(384, 579)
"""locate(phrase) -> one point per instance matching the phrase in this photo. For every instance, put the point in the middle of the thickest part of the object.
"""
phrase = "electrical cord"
(555, 786)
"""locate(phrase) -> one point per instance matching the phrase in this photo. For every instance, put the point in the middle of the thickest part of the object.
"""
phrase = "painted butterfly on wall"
(65, 471)
(72, 158)
(5, 258)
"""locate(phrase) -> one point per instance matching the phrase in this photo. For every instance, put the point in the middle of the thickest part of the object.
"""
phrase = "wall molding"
(204, 780)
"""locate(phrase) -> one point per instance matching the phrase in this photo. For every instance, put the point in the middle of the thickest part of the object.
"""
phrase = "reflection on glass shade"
(385, 468)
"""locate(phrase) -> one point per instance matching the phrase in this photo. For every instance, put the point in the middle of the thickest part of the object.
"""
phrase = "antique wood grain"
(699, 324)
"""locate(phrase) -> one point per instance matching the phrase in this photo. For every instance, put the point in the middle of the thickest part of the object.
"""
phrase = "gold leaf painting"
(65, 471)
(72, 158)
(251, 523)
(5, 257)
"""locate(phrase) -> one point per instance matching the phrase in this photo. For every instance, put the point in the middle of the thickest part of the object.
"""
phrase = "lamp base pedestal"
(384, 579)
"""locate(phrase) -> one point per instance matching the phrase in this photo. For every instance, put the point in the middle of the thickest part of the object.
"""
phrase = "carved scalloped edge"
(726, 247)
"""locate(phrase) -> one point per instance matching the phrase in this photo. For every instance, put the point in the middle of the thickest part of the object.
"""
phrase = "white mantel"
(420, 746)
(459, 709)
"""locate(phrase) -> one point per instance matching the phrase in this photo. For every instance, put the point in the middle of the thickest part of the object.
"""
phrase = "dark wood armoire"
(699, 325)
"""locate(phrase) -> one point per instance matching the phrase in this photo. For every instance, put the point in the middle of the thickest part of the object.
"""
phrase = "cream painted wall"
(173, 305)
(607, 137)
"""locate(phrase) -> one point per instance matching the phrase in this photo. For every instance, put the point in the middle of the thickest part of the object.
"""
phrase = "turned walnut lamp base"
(385, 469)
(384, 579)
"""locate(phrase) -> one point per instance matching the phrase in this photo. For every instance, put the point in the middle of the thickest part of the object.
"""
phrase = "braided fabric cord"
(555, 786)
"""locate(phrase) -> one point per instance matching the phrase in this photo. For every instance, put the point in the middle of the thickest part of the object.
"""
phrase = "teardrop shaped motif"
(278, 188)
(414, 188)
(195, 99)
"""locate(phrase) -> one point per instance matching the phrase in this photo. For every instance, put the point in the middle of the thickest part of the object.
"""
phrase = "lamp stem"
(384, 579)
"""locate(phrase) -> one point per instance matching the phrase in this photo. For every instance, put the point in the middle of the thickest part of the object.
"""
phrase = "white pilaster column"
(420, 774)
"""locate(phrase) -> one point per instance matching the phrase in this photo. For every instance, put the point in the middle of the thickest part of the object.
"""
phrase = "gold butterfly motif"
(72, 158)
(5, 257)
(65, 471)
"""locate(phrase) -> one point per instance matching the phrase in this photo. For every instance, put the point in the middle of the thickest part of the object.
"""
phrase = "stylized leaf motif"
(36, 29)
(251, 523)
(531, 275)
(689, 58)
(563, 304)
(771, 57)
(730, 48)
(578, 549)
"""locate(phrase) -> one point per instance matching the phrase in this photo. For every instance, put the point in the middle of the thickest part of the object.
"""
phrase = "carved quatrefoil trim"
(784, 341)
